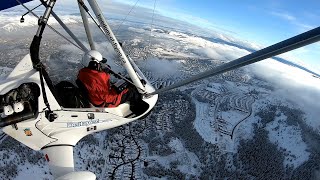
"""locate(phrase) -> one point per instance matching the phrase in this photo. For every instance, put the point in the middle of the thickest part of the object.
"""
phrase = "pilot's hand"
(118, 76)
(104, 60)
(106, 68)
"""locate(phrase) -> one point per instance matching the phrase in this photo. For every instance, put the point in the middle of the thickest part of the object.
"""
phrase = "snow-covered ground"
(288, 138)
(4, 71)
(188, 162)
(202, 123)
(30, 171)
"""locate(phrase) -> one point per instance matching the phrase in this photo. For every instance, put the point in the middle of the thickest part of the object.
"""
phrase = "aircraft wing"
(11, 3)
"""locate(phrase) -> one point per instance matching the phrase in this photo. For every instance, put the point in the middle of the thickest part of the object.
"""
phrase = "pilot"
(97, 83)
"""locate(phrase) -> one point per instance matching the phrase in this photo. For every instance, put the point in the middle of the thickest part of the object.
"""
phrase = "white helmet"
(92, 55)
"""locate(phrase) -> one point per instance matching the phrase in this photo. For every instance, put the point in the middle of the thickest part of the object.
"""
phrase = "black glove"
(106, 68)
(109, 71)
(118, 76)
(104, 60)
(144, 82)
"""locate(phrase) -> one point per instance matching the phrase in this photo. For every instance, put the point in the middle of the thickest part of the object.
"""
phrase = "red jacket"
(98, 85)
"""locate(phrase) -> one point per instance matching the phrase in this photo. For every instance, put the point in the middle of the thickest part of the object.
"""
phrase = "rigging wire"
(87, 10)
(154, 7)
(126, 16)
(53, 29)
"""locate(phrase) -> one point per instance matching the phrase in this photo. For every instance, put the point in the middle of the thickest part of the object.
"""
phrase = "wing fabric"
(11, 3)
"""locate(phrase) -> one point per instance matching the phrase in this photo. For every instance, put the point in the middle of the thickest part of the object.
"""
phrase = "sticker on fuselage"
(27, 131)
(92, 128)
(82, 123)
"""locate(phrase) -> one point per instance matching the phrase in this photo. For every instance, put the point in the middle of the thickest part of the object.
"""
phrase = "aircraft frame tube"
(295, 42)
(16, 119)
(108, 32)
(136, 68)
(86, 27)
(45, 17)
(84, 48)
(35, 44)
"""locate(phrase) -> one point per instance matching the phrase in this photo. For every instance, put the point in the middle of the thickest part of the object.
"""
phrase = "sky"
(263, 22)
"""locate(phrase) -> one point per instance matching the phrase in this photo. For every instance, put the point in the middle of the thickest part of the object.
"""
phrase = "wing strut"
(295, 42)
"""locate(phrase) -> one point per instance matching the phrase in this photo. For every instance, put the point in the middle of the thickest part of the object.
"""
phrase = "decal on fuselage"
(92, 128)
(28, 132)
(82, 123)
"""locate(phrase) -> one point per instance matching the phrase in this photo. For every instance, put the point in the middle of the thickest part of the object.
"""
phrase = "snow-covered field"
(290, 139)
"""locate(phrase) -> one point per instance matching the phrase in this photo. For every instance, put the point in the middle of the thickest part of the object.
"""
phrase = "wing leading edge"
(11, 3)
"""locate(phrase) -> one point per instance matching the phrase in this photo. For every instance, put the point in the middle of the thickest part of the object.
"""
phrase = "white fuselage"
(71, 124)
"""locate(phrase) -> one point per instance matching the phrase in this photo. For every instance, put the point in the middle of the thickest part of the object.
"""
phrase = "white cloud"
(213, 50)
(305, 56)
(302, 26)
(284, 15)
(161, 68)
(293, 84)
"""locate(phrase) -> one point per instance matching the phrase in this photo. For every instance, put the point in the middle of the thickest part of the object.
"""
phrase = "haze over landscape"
(257, 122)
